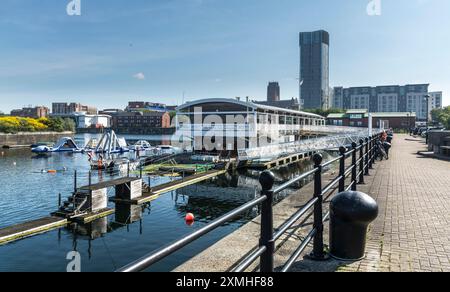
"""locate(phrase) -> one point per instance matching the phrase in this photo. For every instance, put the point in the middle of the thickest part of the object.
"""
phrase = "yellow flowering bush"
(18, 124)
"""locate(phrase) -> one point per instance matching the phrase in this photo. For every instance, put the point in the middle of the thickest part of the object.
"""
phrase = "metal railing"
(360, 166)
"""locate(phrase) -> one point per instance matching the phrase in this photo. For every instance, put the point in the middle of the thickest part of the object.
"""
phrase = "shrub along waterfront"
(12, 125)
(442, 116)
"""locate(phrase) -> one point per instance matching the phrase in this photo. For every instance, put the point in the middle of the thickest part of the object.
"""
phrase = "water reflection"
(133, 230)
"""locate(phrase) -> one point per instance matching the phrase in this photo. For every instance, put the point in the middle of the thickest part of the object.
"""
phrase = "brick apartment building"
(31, 112)
(140, 122)
(62, 108)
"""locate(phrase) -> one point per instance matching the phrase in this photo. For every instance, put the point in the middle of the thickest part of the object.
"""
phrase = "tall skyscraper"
(273, 92)
(314, 69)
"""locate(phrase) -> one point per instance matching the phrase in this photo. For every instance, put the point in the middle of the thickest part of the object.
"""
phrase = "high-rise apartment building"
(435, 99)
(391, 98)
(314, 69)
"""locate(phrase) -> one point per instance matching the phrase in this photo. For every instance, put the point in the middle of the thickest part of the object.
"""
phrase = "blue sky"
(155, 50)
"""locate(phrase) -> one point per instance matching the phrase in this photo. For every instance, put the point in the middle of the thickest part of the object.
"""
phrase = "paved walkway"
(412, 232)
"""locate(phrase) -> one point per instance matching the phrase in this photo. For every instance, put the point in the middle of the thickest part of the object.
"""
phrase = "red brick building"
(140, 122)
(62, 108)
(31, 112)
(360, 118)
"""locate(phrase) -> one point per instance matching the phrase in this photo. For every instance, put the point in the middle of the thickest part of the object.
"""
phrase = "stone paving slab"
(412, 232)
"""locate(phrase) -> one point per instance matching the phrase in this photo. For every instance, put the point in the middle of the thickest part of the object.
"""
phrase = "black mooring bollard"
(350, 216)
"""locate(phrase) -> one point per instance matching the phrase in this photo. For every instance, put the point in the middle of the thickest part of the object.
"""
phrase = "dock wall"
(27, 139)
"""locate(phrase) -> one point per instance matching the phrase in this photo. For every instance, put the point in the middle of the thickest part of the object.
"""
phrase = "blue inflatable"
(63, 145)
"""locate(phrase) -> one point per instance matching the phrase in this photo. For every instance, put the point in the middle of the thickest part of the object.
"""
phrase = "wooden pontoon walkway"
(42, 225)
(110, 183)
(280, 161)
(22, 230)
(173, 185)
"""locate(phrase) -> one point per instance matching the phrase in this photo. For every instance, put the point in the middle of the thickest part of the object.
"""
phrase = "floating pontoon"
(65, 144)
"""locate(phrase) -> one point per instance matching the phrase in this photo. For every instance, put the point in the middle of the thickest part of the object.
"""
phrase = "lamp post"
(408, 115)
(427, 98)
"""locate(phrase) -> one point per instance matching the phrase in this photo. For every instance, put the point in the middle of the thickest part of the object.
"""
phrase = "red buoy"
(190, 217)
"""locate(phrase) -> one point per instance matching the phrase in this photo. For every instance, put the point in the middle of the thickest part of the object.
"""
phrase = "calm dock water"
(26, 194)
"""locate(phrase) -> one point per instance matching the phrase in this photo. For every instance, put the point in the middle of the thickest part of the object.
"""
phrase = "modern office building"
(392, 98)
(31, 112)
(93, 121)
(314, 69)
(273, 92)
(63, 109)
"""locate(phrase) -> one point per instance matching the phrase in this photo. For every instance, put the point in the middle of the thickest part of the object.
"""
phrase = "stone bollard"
(350, 216)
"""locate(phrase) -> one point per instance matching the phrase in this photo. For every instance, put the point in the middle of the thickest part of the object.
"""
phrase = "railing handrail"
(154, 257)
(265, 250)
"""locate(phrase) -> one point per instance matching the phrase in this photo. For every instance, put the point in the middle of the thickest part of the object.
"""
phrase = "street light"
(427, 98)
(408, 115)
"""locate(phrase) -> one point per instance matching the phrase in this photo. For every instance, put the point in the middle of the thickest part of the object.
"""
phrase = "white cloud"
(139, 76)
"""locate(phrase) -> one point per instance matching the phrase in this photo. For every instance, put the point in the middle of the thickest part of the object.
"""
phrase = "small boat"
(65, 144)
(115, 165)
(143, 145)
(167, 149)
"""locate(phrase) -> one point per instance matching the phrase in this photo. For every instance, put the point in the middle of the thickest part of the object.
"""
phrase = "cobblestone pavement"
(412, 232)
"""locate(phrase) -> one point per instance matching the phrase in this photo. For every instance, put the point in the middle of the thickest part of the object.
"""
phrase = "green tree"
(56, 124)
(69, 125)
(442, 116)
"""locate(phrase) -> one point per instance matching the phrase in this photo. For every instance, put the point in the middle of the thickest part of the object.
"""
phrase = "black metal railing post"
(366, 160)
(374, 148)
(354, 166)
(342, 151)
(318, 248)
(361, 161)
(267, 179)
(75, 182)
(370, 152)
